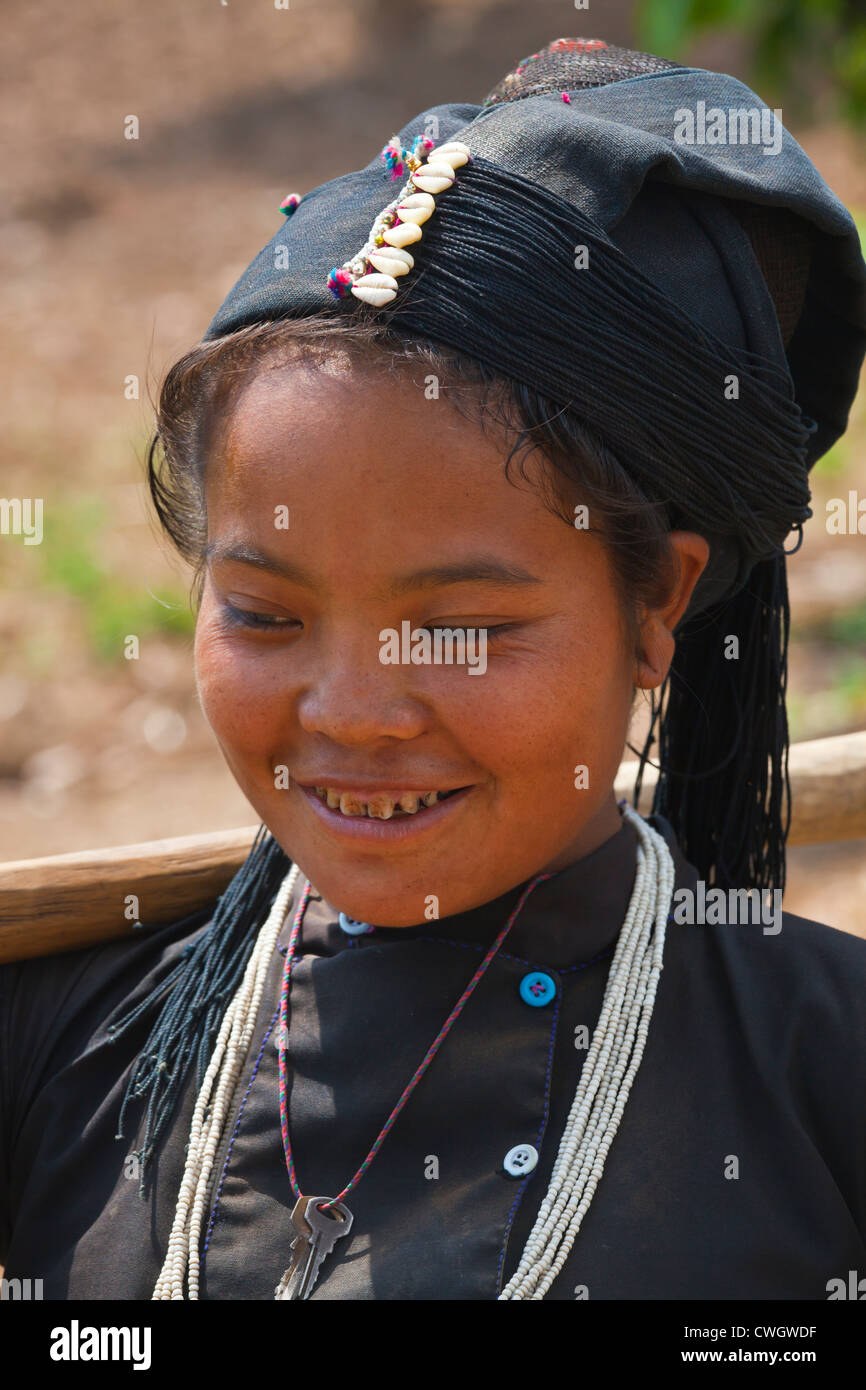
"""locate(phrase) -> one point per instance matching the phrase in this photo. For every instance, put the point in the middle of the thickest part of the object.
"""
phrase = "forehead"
(358, 443)
(373, 475)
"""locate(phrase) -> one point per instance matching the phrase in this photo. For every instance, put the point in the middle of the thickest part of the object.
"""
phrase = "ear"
(656, 643)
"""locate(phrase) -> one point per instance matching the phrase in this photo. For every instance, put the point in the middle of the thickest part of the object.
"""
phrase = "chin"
(385, 893)
(393, 906)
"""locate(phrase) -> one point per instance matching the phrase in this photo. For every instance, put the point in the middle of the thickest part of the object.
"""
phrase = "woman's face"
(344, 504)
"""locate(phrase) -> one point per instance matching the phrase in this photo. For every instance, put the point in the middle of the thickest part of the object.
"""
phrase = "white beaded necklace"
(606, 1078)
(212, 1110)
(608, 1072)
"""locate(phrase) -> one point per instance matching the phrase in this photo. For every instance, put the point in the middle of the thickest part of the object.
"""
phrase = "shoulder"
(825, 969)
(815, 941)
(809, 958)
(778, 1008)
(52, 1006)
(787, 995)
(791, 957)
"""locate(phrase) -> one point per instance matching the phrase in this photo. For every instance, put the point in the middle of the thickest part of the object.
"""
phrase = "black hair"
(576, 464)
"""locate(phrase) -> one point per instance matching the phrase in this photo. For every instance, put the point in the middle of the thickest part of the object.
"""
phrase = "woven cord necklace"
(606, 1079)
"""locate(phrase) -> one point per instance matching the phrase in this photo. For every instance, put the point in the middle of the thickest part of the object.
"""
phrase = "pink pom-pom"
(566, 97)
(288, 205)
(393, 157)
(339, 282)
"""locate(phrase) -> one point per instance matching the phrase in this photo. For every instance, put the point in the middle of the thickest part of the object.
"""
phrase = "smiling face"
(399, 511)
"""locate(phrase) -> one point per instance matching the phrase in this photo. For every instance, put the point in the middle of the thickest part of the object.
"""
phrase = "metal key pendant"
(301, 1249)
(317, 1232)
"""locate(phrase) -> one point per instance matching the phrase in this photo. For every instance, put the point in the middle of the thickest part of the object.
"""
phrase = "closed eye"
(494, 630)
(246, 617)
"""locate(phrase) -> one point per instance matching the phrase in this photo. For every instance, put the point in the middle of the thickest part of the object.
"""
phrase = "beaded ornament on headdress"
(371, 275)
(558, 46)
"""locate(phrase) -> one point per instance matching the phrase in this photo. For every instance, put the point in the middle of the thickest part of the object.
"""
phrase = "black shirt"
(739, 1168)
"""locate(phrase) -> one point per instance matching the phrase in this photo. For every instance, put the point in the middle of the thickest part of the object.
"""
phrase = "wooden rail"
(69, 901)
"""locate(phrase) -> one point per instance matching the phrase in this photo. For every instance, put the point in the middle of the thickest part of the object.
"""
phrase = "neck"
(605, 823)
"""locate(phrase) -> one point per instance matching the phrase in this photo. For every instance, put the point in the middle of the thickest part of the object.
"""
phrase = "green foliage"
(835, 644)
(788, 39)
(112, 609)
(848, 628)
(851, 682)
(834, 462)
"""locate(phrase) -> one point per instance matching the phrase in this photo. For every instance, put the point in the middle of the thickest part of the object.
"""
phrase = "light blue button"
(353, 928)
(537, 989)
(520, 1160)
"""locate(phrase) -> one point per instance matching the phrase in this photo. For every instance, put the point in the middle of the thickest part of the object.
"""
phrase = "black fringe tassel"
(723, 736)
(194, 996)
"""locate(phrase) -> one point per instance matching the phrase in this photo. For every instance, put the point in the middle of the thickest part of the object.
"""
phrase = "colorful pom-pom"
(340, 282)
(393, 157)
(566, 98)
(289, 203)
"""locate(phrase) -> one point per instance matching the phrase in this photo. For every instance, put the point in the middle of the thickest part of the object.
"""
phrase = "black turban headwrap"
(713, 342)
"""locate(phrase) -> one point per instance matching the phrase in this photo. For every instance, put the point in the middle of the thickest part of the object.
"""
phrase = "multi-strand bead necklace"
(605, 1082)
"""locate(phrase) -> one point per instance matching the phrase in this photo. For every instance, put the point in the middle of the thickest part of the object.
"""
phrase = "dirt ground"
(116, 252)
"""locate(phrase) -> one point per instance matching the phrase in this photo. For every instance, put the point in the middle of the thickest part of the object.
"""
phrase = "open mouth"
(382, 805)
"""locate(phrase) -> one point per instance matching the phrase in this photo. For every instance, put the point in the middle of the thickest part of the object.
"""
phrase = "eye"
(492, 630)
(246, 617)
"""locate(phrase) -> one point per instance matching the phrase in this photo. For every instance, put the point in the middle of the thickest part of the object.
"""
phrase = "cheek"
(535, 714)
(241, 693)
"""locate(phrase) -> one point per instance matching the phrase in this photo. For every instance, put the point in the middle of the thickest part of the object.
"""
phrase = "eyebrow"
(242, 554)
(480, 569)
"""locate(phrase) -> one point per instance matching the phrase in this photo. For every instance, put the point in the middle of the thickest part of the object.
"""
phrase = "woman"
(462, 1027)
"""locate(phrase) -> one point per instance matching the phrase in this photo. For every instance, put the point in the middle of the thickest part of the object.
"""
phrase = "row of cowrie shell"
(392, 260)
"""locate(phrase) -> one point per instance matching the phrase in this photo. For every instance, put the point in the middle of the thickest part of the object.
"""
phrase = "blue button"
(520, 1160)
(537, 989)
(353, 928)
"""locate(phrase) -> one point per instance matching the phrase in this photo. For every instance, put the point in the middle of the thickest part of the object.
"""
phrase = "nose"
(354, 699)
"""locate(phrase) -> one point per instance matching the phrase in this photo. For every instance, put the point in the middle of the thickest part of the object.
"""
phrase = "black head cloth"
(712, 338)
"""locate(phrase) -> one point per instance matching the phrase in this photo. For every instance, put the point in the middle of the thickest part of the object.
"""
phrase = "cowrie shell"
(375, 289)
(416, 208)
(433, 178)
(454, 153)
(391, 260)
(402, 235)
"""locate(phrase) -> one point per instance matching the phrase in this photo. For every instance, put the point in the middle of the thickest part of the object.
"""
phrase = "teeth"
(381, 806)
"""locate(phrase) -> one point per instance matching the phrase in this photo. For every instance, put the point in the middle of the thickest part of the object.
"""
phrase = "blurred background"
(117, 251)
